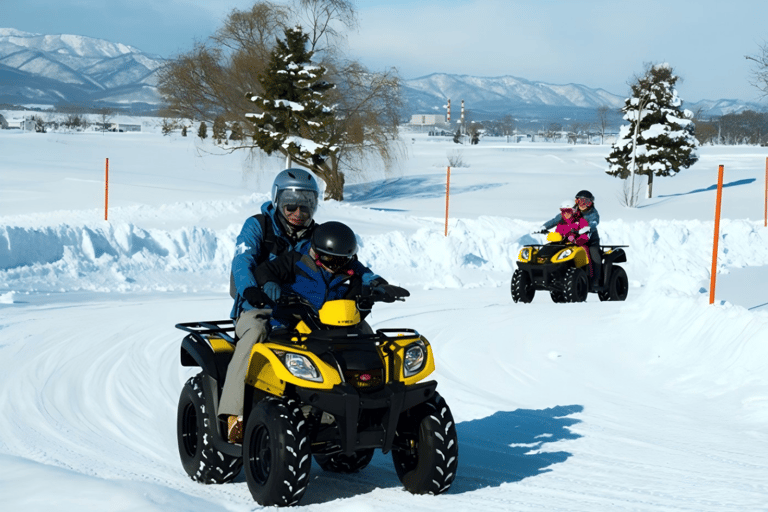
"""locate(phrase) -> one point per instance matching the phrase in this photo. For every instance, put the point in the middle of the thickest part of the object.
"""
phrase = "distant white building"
(19, 123)
(124, 127)
(427, 119)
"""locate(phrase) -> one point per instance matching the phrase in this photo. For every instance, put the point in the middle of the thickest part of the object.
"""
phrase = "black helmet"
(585, 194)
(334, 244)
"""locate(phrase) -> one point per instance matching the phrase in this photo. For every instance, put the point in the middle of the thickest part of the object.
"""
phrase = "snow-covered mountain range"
(74, 69)
(52, 69)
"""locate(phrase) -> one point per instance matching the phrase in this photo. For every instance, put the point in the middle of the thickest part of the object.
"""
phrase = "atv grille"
(365, 379)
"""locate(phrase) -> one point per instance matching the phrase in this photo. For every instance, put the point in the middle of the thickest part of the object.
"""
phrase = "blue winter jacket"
(592, 217)
(297, 273)
(247, 249)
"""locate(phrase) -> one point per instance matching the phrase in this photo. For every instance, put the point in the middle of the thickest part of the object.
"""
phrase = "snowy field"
(659, 403)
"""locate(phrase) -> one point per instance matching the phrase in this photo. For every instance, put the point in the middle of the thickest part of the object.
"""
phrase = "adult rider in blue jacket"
(284, 224)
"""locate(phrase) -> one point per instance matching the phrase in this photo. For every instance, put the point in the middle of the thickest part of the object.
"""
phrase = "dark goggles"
(332, 262)
(290, 208)
(583, 201)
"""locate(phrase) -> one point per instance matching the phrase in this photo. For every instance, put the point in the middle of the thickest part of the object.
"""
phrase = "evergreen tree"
(202, 132)
(293, 119)
(659, 139)
(219, 129)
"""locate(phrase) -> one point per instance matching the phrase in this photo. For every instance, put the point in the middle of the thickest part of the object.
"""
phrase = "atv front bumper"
(346, 404)
(545, 276)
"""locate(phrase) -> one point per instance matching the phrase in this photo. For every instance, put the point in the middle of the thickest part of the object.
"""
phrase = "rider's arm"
(552, 222)
(278, 270)
(247, 247)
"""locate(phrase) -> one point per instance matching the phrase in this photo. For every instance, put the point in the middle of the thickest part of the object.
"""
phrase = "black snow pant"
(595, 262)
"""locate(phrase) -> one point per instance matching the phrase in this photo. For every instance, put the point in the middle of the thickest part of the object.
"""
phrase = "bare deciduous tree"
(760, 72)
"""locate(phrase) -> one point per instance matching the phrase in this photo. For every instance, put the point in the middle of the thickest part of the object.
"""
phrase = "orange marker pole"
(447, 193)
(765, 208)
(106, 189)
(713, 276)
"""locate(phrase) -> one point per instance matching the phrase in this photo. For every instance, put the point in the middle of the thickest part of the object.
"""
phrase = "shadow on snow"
(712, 187)
(422, 187)
(503, 448)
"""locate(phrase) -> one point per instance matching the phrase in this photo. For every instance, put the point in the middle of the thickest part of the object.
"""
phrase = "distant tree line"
(747, 127)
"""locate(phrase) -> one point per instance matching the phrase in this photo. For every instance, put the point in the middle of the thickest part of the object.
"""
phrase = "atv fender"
(196, 352)
(616, 256)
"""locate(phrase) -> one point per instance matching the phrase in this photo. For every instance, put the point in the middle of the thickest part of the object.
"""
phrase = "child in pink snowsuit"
(573, 227)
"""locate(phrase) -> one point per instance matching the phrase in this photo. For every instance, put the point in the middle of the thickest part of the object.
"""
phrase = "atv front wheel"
(276, 452)
(522, 287)
(557, 296)
(341, 463)
(618, 285)
(195, 431)
(426, 452)
(576, 285)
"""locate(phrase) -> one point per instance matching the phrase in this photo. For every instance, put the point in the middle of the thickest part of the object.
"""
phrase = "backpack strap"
(270, 244)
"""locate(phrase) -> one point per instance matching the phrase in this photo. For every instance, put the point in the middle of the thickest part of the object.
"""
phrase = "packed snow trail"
(547, 416)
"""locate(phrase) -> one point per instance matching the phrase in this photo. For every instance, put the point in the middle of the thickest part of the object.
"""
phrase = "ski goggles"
(290, 208)
(291, 200)
(583, 201)
(332, 262)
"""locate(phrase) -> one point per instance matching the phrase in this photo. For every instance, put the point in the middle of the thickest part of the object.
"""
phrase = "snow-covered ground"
(656, 403)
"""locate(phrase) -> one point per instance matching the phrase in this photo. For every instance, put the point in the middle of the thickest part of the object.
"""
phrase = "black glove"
(256, 297)
(543, 231)
(389, 292)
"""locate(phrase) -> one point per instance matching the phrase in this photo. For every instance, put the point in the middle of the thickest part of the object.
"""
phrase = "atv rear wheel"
(522, 287)
(276, 452)
(427, 451)
(341, 463)
(576, 285)
(195, 432)
(618, 285)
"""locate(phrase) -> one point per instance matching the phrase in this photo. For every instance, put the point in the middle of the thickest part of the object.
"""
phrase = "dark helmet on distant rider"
(334, 244)
(584, 198)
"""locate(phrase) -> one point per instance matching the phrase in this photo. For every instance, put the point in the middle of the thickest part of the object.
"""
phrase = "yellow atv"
(329, 388)
(562, 268)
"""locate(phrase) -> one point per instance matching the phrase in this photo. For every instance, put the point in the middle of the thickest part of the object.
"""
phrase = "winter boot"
(235, 429)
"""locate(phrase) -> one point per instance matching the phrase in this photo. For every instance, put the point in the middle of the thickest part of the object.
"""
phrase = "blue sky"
(598, 43)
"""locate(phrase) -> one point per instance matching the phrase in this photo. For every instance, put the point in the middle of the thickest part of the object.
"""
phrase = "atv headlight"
(414, 359)
(564, 254)
(525, 254)
(300, 366)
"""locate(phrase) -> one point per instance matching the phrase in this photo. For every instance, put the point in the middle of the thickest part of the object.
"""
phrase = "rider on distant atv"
(572, 226)
(585, 202)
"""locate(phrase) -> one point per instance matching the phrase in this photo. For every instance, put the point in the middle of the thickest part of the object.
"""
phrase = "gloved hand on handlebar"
(389, 292)
(272, 290)
(542, 231)
(255, 297)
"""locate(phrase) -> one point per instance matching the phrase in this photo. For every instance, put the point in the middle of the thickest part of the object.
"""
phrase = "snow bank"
(121, 256)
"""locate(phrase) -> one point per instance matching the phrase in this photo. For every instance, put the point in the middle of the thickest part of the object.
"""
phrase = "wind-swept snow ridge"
(478, 252)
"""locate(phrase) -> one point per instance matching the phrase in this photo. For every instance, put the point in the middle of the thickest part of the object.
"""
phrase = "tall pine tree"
(659, 139)
(292, 118)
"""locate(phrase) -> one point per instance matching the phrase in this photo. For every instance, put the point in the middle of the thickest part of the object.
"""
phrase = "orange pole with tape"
(106, 189)
(447, 193)
(712, 280)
